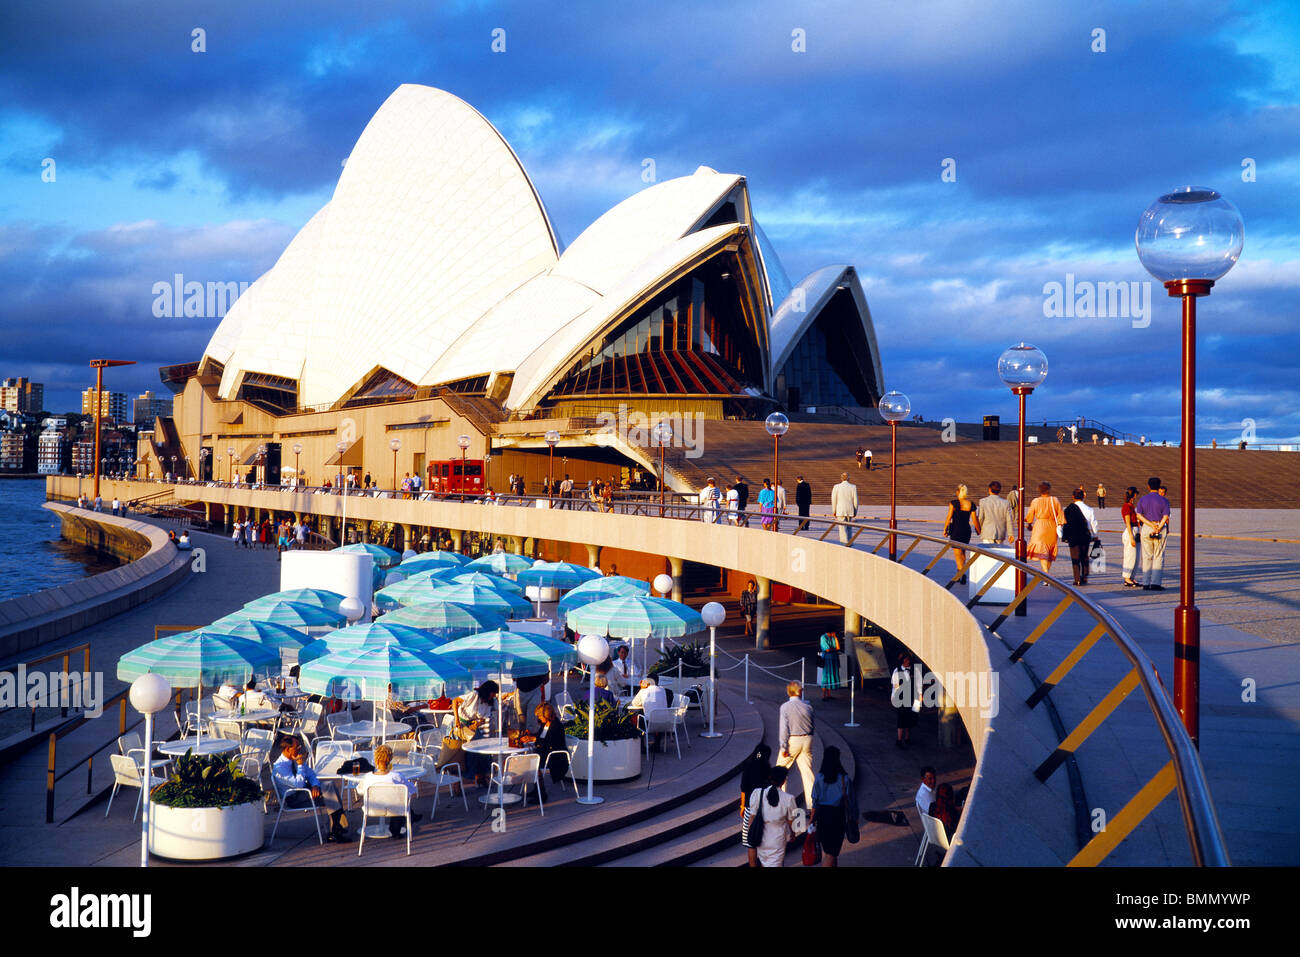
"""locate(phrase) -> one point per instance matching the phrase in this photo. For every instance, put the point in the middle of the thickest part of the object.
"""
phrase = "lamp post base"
(1187, 667)
(595, 799)
(710, 734)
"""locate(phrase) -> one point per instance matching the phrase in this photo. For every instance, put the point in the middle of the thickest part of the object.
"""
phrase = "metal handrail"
(66, 656)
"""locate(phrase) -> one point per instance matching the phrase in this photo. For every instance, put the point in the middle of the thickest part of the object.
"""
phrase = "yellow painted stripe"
(1074, 656)
(1050, 620)
(1100, 713)
(915, 542)
(1130, 816)
(1019, 599)
(934, 561)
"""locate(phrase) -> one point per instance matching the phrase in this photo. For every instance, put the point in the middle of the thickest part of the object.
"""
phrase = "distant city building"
(52, 453)
(148, 407)
(83, 456)
(59, 422)
(112, 404)
(11, 452)
(22, 395)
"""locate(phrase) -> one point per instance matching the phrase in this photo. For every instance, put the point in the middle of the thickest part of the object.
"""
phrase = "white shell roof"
(640, 226)
(806, 300)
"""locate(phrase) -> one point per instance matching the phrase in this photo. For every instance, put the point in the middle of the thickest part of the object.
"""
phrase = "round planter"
(205, 833)
(613, 760)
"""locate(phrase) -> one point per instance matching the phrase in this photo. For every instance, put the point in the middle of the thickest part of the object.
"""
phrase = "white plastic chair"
(401, 747)
(309, 723)
(230, 730)
(521, 770)
(193, 721)
(429, 741)
(128, 774)
(568, 777)
(282, 796)
(448, 776)
(132, 745)
(335, 721)
(661, 721)
(564, 701)
(386, 800)
(934, 835)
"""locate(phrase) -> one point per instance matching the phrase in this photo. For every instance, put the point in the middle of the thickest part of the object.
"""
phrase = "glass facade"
(691, 339)
(825, 367)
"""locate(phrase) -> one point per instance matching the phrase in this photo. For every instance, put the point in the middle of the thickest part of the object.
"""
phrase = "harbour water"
(32, 555)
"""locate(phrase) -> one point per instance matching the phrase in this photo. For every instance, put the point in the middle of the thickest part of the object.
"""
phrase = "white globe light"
(352, 608)
(663, 584)
(463, 441)
(1190, 233)
(777, 424)
(894, 407)
(395, 444)
(552, 438)
(713, 614)
(593, 649)
(150, 693)
(662, 433)
(1023, 367)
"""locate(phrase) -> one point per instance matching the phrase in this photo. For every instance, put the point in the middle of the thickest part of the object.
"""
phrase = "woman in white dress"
(779, 814)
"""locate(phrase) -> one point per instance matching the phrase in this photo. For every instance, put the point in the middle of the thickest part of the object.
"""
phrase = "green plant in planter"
(210, 781)
(612, 723)
(694, 658)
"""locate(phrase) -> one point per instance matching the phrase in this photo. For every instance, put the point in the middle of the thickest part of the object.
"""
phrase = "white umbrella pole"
(148, 780)
(591, 747)
(199, 734)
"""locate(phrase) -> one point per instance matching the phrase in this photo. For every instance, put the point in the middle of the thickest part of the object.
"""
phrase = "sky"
(962, 155)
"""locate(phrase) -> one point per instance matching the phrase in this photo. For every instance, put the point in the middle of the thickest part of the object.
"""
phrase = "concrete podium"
(982, 567)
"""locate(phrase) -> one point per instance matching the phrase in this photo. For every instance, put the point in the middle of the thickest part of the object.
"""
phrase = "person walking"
(859, 455)
(1046, 516)
(1078, 535)
(1131, 536)
(802, 501)
(993, 513)
(236, 534)
(957, 526)
(832, 800)
(711, 499)
(749, 605)
(1101, 495)
(905, 696)
(794, 735)
(767, 504)
(830, 649)
(742, 502)
(844, 504)
(780, 506)
(1152, 511)
(779, 814)
(866, 459)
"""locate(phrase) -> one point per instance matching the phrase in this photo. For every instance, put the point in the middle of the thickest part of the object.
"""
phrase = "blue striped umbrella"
(416, 590)
(503, 563)
(384, 557)
(267, 633)
(520, 653)
(358, 638)
(484, 598)
(427, 561)
(557, 575)
(307, 596)
(447, 619)
(295, 614)
(611, 586)
(487, 581)
(636, 616)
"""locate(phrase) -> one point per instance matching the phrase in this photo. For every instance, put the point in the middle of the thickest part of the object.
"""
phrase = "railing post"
(49, 781)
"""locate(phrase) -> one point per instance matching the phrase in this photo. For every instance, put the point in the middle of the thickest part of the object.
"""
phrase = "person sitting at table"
(622, 671)
(651, 697)
(472, 714)
(293, 770)
(384, 774)
(603, 694)
(550, 738)
(228, 696)
(254, 699)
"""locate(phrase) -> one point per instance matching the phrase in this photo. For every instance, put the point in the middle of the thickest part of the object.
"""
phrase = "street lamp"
(894, 407)
(149, 694)
(463, 442)
(552, 440)
(777, 425)
(395, 445)
(297, 472)
(662, 434)
(592, 649)
(713, 614)
(230, 450)
(1023, 368)
(1188, 239)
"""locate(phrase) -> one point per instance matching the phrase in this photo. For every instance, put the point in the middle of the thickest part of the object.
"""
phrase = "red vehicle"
(445, 478)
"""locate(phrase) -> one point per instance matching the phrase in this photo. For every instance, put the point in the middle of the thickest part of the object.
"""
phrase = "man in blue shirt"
(293, 770)
(1153, 513)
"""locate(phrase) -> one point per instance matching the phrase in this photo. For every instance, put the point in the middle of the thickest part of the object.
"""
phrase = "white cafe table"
(373, 729)
(499, 748)
(207, 746)
(249, 717)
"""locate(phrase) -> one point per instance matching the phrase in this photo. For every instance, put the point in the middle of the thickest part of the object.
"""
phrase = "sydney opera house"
(431, 299)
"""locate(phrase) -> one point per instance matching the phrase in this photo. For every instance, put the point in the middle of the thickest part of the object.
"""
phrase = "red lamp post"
(893, 407)
(1023, 368)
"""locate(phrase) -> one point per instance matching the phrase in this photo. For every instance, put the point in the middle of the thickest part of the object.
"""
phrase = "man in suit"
(742, 502)
(994, 513)
(803, 499)
(1078, 535)
(844, 504)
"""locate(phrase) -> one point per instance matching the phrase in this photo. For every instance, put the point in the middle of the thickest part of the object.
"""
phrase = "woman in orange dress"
(1047, 515)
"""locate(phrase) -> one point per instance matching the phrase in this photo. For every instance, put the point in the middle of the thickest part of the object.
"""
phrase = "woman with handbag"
(767, 827)
(470, 715)
(1047, 515)
(830, 648)
(1132, 536)
(832, 793)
